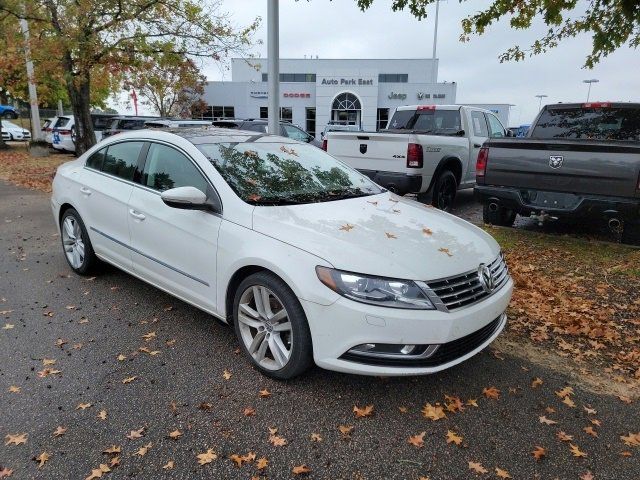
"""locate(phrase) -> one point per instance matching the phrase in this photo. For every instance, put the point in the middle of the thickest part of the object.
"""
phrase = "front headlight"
(384, 292)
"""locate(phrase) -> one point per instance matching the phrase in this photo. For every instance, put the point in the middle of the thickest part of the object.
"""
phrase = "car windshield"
(279, 174)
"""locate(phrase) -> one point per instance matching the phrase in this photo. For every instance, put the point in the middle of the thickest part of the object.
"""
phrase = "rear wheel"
(76, 244)
(631, 233)
(444, 191)
(10, 114)
(272, 327)
(500, 216)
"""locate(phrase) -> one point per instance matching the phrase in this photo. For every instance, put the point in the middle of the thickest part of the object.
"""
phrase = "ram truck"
(578, 161)
(429, 150)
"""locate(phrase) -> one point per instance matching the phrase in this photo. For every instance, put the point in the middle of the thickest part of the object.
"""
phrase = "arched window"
(346, 101)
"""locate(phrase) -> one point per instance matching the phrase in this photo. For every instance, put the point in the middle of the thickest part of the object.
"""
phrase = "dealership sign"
(347, 81)
(296, 95)
(259, 94)
(397, 96)
(425, 96)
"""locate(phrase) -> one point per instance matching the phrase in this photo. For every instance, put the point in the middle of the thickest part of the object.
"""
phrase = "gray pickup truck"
(578, 160)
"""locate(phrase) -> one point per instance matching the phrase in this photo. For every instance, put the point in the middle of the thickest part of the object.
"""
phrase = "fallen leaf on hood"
(363, 412)
(575, 451)
(452, 437)
(433, 412)
(427, 231)
(502, 473)
(547, 421)
(390, 235)
(372, 203)
(42, 459)
(175, 435)
(300, 469)
(491, 392)
(417, 440)
(169, 465)
(346, 227)
(477, 467)
(58, 432)
(98, 472)
(539, 452)
(445, 251)
(206, 457)
(133, 434)
(16, 439)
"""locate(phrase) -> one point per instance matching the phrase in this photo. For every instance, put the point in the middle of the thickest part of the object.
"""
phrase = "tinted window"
(100, 122)
(432, 121)
(121, 159)
(129, 124)
(295, 133)
(496, 130)
(479, 124)
(167, 168)
(96, 159)
(61, 122)
(591, 123)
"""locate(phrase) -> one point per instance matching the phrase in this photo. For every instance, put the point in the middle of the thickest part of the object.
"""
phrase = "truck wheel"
(444, 191)
(502, 216)
(631, 233)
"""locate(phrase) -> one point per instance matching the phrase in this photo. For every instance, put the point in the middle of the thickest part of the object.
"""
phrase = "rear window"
(100, 122)
(606, 123)
(428, 121)
(61, 122)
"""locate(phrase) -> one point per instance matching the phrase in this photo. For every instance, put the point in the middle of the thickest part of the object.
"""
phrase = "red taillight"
(64, 132)
(414, 155)
(481, 164)
(325, 144)
(426, 107)
(596, 105)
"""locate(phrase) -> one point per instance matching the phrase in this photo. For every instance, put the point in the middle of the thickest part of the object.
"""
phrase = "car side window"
(479, 124)
(496, 129)
(295, 133)
(121, 159)
(96, 159)
(167, 168)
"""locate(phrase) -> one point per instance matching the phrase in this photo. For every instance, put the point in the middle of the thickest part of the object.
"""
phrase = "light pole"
(33, 95)
(590, 81)
(540, 97)
(273, 53)
(435, 45)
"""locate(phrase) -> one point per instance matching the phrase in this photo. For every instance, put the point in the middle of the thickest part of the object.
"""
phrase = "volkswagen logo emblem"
(486, 279)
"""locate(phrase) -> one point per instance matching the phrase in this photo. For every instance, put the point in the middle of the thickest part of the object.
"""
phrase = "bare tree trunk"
(2, 144)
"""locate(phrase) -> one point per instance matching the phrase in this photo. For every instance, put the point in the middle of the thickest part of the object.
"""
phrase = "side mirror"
(187, 198)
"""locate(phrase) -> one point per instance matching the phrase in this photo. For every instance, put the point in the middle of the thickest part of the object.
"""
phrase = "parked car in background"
(47, 129)
(307, 263)
(176, 123)
(286, 129)
(429, 150)
(64, 130)
(7, 111)
(11, 131)
(579, 161)
(123, 123)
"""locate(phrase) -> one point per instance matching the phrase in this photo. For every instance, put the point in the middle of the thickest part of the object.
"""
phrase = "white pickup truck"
(430, 150)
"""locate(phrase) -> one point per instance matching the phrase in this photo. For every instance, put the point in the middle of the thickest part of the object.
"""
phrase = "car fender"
(441, 165)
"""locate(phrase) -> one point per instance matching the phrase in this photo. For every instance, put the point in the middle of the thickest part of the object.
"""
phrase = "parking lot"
(97, 359)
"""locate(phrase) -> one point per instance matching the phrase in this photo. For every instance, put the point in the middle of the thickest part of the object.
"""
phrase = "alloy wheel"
(73, 242)
(265, 327)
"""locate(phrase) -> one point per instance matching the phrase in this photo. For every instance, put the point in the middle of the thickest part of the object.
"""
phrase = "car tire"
(631, 233)
(502, 217)
(277, 344)
(444, 191)
(76, 243)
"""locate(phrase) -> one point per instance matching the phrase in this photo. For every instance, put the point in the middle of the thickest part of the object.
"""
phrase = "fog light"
(407, 349)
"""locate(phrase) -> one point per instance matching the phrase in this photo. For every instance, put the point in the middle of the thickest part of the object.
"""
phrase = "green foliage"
(611, 23)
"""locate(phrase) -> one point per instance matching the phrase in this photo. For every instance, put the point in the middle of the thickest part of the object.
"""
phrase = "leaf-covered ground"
(19, 168)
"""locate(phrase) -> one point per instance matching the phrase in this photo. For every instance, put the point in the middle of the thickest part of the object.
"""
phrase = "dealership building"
(314, 92)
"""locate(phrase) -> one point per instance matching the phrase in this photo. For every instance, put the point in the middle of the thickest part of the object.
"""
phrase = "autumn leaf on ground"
(8, 326)
(625, 399)
(98, 472)
(102, 415)
(632, 440)
(5, 472)
(226, 374)
(113, 449)
(316, 437)
(58, 432)
(277, 441)
(206, 457)
(565, 392)
(272, 430)
(491, 392)
(433, 412)
(169, 465)
(149, 336)
(142, 451)
(345, 430)
(417, 440)
(121, 358)
(16, 439)
(546, 421)
(452, 437)
(567, 401)
(575, 451)
(175, 435)
(48, 361)
(133, 434)
(502, 473)
(264, 393)
(300, 469)
(472, 402)
(48, 371)
(115, 461)
(477, 468)
(453, 404)
(403, 409)
(14, 389)
(589, 410)
(83, 406)
(129, 379)
(262, 463)
(564, 437)
(539, 452)
(249, 412)
(42, 459)
(445, 251)
(346, 227)
(363, 412)
(587, 476)
(536, 382)
(590, 431)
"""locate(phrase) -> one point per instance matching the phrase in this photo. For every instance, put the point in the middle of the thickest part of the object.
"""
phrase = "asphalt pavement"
(189, 378)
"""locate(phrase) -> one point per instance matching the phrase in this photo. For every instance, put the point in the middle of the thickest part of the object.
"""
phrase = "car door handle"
(137, 215)
(476, 145)
(85, 190)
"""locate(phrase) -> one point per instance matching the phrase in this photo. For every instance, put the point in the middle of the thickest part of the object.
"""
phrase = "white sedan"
(308, 259)
(11, 131)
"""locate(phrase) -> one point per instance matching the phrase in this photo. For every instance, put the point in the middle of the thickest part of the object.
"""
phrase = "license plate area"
(550, 200)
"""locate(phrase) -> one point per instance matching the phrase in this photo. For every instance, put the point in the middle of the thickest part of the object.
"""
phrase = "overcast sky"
(338, 29)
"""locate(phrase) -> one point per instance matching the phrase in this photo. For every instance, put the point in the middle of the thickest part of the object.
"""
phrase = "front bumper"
(400, 183)
(575, 206)
(345, 324)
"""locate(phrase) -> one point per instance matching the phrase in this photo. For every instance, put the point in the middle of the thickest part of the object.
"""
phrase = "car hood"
(385, 235)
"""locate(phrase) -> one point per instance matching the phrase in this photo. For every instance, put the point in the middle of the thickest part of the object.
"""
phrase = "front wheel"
(272, 326)
(444, 191)
(76, 244)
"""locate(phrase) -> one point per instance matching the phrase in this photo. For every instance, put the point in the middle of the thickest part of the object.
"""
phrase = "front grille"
(447, 352)
(466, 289)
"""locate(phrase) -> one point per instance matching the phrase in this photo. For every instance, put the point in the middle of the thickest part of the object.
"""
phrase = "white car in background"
(63, 136)
(11, 131)
(176, 123)
(308, 259)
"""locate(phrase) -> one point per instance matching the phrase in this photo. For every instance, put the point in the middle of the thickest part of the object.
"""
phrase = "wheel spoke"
(247, 310)
(266, 303)
(76, 258)
(257, 342)
(80, 247)
(259, 356)
(279, 351)
(257, 296)
(281, 315)
(249, 321)
(68, 226)
(282, 327)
